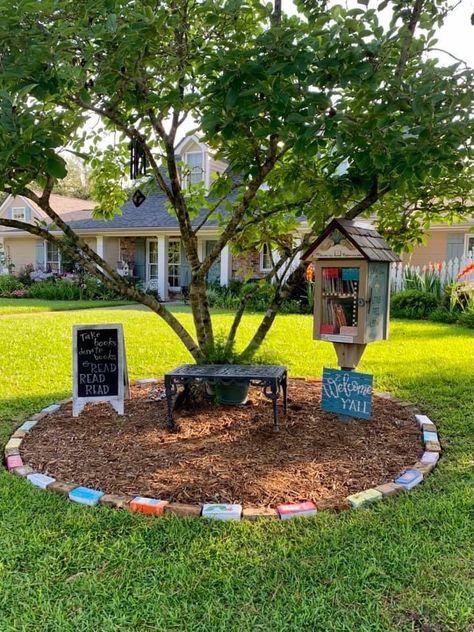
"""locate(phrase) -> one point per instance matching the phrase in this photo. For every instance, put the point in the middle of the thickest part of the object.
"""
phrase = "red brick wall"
(247, 266)
(127, 250)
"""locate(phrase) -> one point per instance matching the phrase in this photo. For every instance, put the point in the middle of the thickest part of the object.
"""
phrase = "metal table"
(271, 378)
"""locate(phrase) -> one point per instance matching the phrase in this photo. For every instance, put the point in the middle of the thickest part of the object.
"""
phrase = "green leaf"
(56, 167)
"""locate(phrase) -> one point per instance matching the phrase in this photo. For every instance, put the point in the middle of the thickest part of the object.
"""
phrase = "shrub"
(467, 319)
(413, 304)
(9, 284)
(55, 290)
(25, 274)
(442, 315)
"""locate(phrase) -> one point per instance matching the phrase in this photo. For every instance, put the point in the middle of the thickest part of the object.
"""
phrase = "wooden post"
(348, 354)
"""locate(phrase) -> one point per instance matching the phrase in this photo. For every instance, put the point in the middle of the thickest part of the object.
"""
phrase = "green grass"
(405, 564)
(31, 305)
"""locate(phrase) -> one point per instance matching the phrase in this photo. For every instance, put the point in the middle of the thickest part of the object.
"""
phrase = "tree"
(76, 183)
(323, 114)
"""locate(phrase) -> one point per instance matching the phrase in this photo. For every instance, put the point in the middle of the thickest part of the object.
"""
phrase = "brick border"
(407, 480)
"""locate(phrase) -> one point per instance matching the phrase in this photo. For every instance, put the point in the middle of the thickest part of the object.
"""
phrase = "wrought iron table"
(271, 378)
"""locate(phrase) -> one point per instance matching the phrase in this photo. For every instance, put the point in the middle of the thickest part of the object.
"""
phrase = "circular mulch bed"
(224, 453)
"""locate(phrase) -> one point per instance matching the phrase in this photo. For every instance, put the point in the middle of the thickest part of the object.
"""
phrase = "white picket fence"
(447, 271)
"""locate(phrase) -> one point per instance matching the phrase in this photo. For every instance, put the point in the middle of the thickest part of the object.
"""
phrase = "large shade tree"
(318, 114)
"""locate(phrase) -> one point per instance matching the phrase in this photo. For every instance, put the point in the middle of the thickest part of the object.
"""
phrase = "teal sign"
(347, 393)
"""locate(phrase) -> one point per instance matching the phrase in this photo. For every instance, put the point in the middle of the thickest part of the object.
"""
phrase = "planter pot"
(231, 393)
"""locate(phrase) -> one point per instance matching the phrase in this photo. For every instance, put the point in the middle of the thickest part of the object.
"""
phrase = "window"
(194, 160)
(174, 263)
(19, 214)
(53, 258)
(266, 262)
(469, 244)
(152, 260)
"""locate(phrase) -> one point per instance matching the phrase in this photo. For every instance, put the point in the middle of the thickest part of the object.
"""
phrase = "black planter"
(231, 393)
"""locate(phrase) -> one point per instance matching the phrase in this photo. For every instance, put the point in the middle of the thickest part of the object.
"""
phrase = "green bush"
(55, 290)
(466, 319)
(8, 284)
(413, 304)
(443, 315)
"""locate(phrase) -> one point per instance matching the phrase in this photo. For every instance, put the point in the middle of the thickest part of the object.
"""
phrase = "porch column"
(200, 249)
(226, 265)
(99, 248)
(163, 267)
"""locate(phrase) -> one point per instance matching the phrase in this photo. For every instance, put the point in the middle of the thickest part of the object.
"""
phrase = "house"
(144, 240)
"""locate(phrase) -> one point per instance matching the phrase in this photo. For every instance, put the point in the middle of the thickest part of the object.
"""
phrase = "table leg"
(169, 402)
(274, 387)
(285, 393)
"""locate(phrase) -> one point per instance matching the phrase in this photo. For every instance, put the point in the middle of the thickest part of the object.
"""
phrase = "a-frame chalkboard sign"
(99, 366)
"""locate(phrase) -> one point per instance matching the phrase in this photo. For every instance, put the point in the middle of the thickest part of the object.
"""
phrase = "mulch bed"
(225, 453)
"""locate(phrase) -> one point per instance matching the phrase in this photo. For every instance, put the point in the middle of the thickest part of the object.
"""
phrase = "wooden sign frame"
(117, 401)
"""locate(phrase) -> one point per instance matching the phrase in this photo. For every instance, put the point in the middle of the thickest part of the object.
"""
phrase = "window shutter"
(455, 246)
(40, 246)
(28, 214)
(185, 269)
(139, 265)
(10, 213)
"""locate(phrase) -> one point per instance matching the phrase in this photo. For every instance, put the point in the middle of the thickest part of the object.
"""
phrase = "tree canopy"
(325, 113)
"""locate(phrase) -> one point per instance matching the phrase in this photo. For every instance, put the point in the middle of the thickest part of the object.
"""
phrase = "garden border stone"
(425, 465)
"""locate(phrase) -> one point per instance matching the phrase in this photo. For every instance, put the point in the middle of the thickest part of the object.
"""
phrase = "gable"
(20, 208)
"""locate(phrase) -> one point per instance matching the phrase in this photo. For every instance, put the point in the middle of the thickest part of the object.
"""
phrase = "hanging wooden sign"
(99, 366)
(347, 393)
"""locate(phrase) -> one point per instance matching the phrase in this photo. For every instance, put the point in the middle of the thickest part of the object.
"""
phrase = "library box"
(351, 283)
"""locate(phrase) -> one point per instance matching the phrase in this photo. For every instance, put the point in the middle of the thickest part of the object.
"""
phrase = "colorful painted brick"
(14, 461)
(53, 408)
(423, 419)
(430, 457)
(28, 425)
(222, 511)
(409, 478)
(430, 436)
(13, 444)
(40, 480)
(85, 496)
(148, 505)
(364, 498)
(296, 510)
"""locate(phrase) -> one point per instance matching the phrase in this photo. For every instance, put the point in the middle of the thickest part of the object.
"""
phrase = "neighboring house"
(444, 242)
(144, 240)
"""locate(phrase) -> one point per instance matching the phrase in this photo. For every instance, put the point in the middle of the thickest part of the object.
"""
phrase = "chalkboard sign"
(347, 393)
(100, 370)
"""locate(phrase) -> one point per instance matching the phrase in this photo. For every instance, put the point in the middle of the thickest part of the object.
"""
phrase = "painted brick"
(221, 511)
(383, 395)
(61, 487)
(430, 436)
(296, 510)
(148, 505)
(14, 461)
(40, 480)
(361, 499)
(11, 452)
(424, 468)
(53, 408)
(23, 471)
(19, 434)
(433, 446)
(429, 428)
(28, 425)
(423, 419)
(257, 513)
(183, 510)
(145, 381)
(430, 457)
(389, 489)
(85, 496)
(115, 500)
(13, 443)
(409, 478)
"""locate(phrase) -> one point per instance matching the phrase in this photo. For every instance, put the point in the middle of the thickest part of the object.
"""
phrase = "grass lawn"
(30, 305)
(404, 564)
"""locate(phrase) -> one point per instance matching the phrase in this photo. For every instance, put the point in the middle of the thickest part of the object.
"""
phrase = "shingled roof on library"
(364, 237)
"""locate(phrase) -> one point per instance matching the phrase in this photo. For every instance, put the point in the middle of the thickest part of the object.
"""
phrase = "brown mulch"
(225, 453)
